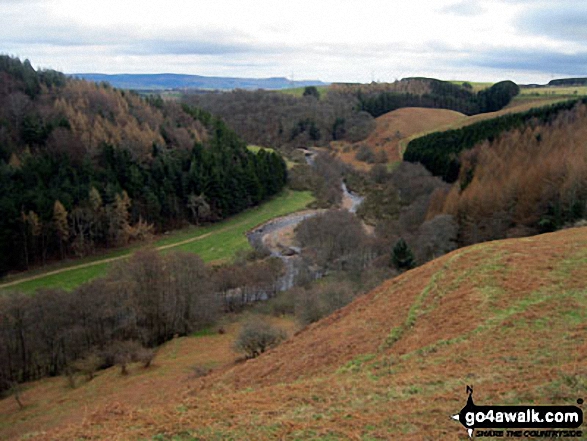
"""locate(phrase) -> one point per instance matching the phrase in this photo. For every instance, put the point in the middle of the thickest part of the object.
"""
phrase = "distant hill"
(178, 81)
(569, 82)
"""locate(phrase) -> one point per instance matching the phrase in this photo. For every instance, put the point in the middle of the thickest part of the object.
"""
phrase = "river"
(277, 236)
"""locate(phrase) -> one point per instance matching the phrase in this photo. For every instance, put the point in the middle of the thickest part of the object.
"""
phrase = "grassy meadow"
(216, 243)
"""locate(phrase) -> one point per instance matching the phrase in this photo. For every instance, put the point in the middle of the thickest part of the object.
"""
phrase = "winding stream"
(276, 235)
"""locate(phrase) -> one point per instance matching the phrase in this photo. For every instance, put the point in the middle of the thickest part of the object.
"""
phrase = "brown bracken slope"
(508, 317)
(394, 130)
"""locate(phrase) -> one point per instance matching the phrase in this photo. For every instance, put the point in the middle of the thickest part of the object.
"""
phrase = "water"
(291, 260)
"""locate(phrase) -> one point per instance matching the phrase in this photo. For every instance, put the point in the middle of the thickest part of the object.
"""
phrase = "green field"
(256, 148)
(214, 243)
(542, 92)
(477, 86)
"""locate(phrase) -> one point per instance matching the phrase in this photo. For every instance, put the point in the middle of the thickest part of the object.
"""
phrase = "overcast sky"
(342, 40)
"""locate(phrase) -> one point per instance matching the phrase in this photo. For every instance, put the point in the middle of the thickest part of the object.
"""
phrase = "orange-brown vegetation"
(531, 179)
(51, 403)
(100, 115)
(507, 317)
(394, 127)
(394, 130)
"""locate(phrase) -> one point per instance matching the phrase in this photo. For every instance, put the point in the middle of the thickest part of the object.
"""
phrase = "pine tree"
(401, 256)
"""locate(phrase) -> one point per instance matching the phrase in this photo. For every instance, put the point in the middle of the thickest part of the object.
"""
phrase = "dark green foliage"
(338, 129)
(306, 126)
(497, 96)
(312, 91)
(439, 151)
(442, 95)
(51, 164)
(401, 256)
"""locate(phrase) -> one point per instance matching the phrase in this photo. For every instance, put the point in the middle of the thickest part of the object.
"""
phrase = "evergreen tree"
(401, 256)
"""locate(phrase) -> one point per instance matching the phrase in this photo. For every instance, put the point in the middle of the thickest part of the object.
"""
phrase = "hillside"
(167, 81)
(394, 127)
(507, 317)
(85, 167)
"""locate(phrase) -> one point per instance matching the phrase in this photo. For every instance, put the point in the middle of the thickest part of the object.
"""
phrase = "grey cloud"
(547, 62)
(129, 41)
(219, 44)
(563, 20)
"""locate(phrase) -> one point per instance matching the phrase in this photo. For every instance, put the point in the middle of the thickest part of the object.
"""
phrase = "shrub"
(145, 356)
(256, 336)
(283, 303)
(88, 365)
(365, 154)
(121, 353)
(322, 300)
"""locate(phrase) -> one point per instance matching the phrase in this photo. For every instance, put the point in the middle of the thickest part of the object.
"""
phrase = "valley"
(317, 263)
(507, 316)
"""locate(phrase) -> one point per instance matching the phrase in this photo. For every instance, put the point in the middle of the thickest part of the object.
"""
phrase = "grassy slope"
(413, 123)
(395, 126)
(50, 402)
(508, 317)
(214, 243)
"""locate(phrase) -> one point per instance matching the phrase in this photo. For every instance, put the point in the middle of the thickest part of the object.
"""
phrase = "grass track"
(214, 243)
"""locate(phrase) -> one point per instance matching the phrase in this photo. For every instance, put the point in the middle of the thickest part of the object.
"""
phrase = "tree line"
(439, 95)
(140, 304)
(439, 151)
(84, 166)
(529, 180)
(277, 119)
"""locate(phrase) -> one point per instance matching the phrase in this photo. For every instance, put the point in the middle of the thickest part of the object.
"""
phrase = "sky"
(527, 41)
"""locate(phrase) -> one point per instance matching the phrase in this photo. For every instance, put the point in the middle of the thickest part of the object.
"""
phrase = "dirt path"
(106, 260)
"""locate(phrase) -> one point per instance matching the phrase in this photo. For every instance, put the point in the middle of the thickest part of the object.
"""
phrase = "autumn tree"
(61, 224)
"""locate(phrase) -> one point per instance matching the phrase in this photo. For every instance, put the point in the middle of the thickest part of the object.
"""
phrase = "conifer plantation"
(526, 181)
(86, 166)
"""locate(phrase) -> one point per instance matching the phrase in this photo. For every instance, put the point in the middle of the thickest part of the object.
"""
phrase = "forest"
(526, 181)
(85, 166)
(123, 317)
(344, 113)
(439, 151)
(435, 94)
(277, 119)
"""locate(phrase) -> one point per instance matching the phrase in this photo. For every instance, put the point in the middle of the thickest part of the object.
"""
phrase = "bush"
(121, 353)
(283, 304)
(365, 154)
(145, 356)
(256, 336)
(88, 365)
(322, 300)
